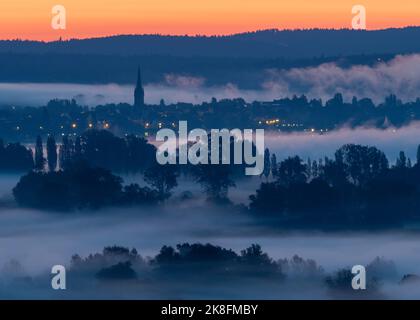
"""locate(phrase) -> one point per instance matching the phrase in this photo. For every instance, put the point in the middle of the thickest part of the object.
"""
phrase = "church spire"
(139, 91)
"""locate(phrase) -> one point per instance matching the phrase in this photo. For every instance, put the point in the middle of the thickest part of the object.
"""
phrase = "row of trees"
(359, 162)
(357, 187)
(40, 160)
(15, 158)
(101, 149)
(133, 154)
(98, 147)
(122, 263)
(194, 263)
(80, 187)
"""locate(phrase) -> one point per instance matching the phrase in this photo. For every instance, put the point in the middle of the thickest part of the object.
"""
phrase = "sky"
(31, 19)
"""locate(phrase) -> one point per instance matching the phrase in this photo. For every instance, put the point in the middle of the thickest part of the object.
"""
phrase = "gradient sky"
(31, 19)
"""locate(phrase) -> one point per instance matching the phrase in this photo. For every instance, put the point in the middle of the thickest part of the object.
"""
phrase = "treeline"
(61, 165)
(356, 189)
(207, 264)
(203, 259)
(267, 44)
(205, 270)
(15, 158)
(99, 148)
(81, 186)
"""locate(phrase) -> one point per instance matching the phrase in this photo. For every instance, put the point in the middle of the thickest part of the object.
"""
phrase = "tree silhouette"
(291, 170)
(66, 152)
(77, 187)
(15, 158)
(77, 149)
(120, 271)
(267, 164)
(314, 170)
(401, 162)
(361, 163)
(51, 153)
(39, 154)
(215, 179)
(418, 156)
(103, 149)
(273, 165)
(163, 178)
(256, 261)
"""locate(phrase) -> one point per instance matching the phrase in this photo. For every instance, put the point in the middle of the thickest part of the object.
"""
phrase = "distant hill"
(260, 44)
(241, 59)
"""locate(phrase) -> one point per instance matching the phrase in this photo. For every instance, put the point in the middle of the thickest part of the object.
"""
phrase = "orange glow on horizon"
(31, 19)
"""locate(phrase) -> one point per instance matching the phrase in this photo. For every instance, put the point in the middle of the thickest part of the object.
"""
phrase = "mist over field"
(316, 146)
(38, 240)
(24, 234)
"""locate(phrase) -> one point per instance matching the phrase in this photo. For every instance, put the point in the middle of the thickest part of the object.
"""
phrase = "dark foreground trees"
(204, 267)
(357, 189)
(52, 156)
(101, 148)
(120, 271)
(78, 187)
(163, 178)
(215, 180)
(184, 261)
(206, 258)
(14, 157)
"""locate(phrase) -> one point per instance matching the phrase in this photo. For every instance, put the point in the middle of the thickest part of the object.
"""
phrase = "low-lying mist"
(316, 146)
(38, 240)
(400, 76)
(23, 232)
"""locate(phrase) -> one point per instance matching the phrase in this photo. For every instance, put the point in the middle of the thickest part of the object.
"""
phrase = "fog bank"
(400, 76)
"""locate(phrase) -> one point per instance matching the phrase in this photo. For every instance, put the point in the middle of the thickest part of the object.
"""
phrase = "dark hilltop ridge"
(259, 44)
(241, 58)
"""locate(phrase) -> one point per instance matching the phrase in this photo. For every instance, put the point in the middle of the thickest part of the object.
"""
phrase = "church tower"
(139, 91)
